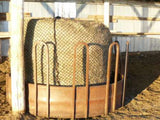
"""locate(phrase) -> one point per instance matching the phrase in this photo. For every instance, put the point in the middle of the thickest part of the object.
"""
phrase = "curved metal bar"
(87, 78)
(116, 77)
(35, 76)
(121, 71)
(125, 72)
(108, 77)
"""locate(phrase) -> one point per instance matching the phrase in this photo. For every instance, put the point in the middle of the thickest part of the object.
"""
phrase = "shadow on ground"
(143, 69)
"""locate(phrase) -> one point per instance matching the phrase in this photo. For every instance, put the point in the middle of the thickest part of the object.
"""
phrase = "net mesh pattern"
(61, 35)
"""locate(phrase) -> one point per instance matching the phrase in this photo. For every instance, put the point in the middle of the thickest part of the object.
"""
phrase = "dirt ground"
(142, 93)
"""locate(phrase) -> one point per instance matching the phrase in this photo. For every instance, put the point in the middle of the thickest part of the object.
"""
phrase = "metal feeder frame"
(76, 101)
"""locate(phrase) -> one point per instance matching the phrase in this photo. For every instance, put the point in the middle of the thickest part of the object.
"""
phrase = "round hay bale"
(61, 35)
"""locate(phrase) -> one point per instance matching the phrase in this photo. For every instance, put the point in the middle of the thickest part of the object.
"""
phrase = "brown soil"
(142, 92)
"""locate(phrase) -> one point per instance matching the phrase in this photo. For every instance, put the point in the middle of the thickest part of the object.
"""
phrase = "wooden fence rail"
(116, 18)
(6, 16)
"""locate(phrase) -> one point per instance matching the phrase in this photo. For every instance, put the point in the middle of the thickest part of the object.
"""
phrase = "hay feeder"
(74, 101)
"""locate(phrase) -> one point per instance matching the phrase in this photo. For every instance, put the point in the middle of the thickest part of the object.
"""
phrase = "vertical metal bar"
(125, 72)
(35, 77)
(87, 79)
(48, 90)
(108, 74)
(73, 86)
(108, 79)
(120, 64)
(116, 77)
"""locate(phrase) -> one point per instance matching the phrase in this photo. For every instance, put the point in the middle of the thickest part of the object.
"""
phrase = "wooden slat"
(100, 18)
(4, 35)
(77, 1)
(116, 18)
(89, 19)
(95, 16)
(27, 14)
(6, 16)
(92, 20)
(135, 18)
(133, 34)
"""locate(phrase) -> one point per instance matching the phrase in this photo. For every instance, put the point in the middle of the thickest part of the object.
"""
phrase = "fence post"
(17, 56)
(0, 51)
(106, 13)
